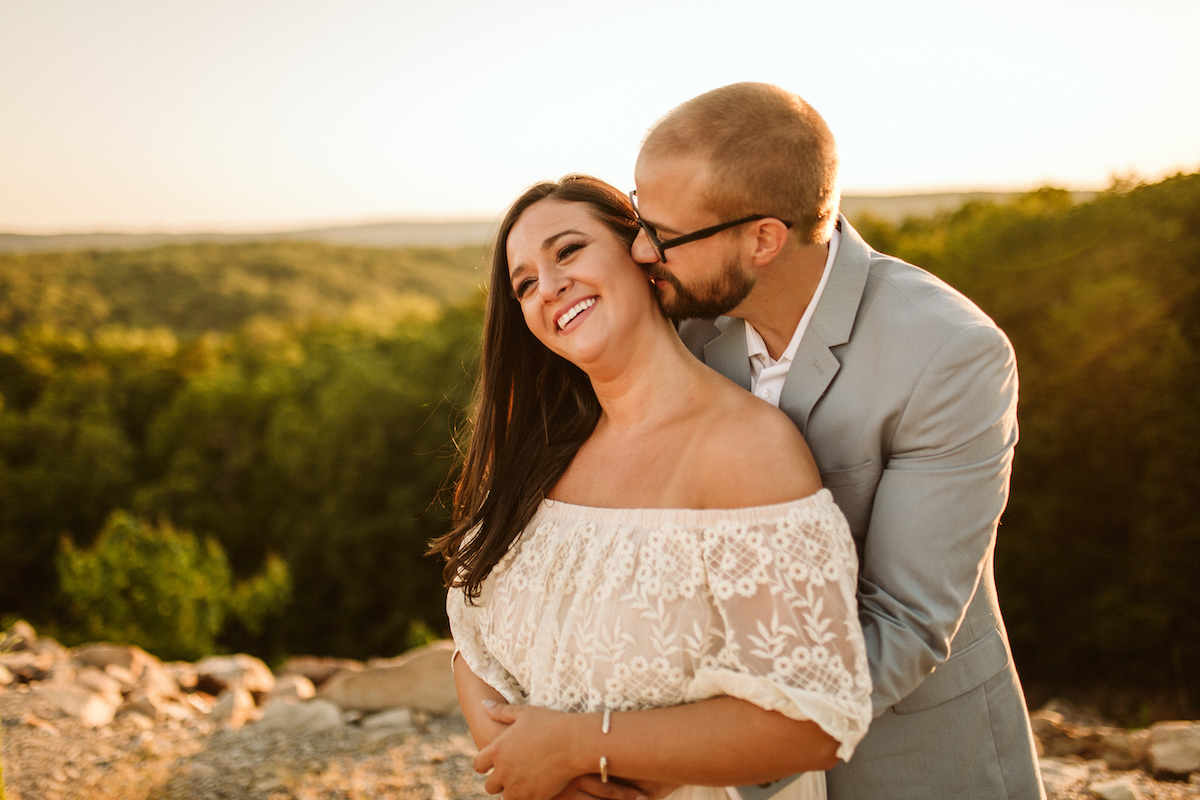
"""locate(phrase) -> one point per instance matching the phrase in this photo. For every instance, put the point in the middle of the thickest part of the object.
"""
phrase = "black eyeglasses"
(703, 233)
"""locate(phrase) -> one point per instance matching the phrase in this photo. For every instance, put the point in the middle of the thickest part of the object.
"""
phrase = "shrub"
(161, 589)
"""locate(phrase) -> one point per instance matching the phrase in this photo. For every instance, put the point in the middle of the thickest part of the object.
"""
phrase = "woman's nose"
(552, 283)
(641, 250)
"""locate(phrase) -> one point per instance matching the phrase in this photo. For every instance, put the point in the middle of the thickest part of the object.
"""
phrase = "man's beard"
(718, 296)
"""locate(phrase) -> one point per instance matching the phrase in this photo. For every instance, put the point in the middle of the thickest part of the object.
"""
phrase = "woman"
(646, 578)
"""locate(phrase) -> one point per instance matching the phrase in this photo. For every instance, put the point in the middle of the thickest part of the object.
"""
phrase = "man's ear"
(770, 235)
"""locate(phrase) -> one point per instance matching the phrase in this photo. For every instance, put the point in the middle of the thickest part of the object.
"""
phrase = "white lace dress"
(596, 608)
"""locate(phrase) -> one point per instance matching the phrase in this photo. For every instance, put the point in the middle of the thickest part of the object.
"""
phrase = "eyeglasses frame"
(661, 247)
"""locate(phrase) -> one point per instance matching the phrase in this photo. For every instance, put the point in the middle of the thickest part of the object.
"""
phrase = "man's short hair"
(768, 150)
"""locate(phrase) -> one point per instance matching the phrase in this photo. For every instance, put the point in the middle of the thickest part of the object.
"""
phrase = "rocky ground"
(112, 723)
(48, 756)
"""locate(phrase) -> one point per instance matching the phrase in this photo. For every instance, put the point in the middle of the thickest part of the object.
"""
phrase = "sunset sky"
(144, 115)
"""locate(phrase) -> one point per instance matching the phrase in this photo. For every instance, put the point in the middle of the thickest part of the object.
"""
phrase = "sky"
(243, 115)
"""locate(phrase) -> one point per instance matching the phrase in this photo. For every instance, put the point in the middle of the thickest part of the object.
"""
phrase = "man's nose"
(642, 251)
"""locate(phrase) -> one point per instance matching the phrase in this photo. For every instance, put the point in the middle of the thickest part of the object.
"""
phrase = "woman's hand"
(529, 760)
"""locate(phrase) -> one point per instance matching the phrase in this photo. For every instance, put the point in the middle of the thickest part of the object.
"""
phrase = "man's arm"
(934, 518)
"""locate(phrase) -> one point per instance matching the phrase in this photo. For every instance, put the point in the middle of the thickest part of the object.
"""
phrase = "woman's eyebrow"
(546, 245)
(550, 240)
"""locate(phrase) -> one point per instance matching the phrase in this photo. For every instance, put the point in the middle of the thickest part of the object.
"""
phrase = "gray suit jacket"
(907, 393)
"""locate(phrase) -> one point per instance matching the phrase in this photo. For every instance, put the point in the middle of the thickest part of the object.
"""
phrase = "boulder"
(420, 680)
(21, 636)
(103, 655)
(234, 708)
(1116, 789)
(88, 707)
(1061, 776)
(310, 716)
(318, 669)
(292, 688)
(98, 681)
(1174, 747)
(396, 719)
(216, 674)
(27, 666)
(140, 702)
(6, 677)
(1118, 749)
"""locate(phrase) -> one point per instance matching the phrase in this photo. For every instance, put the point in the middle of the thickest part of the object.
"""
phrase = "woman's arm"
(723, 741)
(473, 691)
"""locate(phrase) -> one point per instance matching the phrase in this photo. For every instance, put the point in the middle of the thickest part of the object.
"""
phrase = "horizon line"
(330, 223)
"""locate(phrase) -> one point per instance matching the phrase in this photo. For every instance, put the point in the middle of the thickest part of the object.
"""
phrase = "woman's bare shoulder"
(752, 454)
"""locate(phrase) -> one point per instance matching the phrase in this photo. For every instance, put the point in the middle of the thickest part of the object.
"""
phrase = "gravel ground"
(49, 756)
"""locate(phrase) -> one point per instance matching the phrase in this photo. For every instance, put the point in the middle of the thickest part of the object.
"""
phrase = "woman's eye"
(567, 250)
(522, 288)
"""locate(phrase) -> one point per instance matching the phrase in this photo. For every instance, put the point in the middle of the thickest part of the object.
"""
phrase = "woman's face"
(577, 284)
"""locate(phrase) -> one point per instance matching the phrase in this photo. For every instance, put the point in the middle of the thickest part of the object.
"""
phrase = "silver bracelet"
(604, 726)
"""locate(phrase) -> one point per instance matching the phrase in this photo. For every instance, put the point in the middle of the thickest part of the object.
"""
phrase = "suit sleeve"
(936, 509)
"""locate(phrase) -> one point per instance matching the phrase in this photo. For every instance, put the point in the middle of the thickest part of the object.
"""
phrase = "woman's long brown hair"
(533, 409)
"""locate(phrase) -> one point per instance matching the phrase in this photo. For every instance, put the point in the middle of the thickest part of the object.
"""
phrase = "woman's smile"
(574, 312)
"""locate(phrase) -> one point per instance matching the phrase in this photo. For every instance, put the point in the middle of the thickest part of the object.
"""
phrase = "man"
(906, 393)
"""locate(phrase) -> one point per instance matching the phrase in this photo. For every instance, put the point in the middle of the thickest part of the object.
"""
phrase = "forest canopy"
(298, 404)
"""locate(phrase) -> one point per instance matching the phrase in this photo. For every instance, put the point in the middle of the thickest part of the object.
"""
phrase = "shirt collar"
(756, 348)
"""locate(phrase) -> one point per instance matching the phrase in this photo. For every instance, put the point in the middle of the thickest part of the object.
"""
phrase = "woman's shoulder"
(752, 454)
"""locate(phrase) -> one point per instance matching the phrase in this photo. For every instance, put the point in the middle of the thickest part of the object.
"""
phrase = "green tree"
(160, 588)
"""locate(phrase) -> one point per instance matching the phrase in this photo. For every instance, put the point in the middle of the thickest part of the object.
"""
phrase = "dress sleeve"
(466, 623)
(784, 592)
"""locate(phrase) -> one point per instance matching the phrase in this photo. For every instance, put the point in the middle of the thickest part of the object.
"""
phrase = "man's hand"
(589, 787)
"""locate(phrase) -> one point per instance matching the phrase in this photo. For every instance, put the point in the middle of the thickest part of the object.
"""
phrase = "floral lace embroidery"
(637, 608)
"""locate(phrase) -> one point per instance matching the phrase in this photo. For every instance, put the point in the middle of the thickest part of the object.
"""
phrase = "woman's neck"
(651, 381)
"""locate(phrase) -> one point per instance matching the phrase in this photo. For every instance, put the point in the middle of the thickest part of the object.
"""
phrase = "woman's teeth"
(574, 311)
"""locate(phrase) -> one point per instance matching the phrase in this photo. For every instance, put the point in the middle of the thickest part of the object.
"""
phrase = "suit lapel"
(727, 354)
(832, 322)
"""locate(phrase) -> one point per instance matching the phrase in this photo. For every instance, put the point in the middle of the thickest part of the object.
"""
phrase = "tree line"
(300, 403)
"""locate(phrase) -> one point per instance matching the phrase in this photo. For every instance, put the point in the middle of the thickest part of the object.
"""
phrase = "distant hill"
(384, 234)
(221, 286)
(890, 208)
(895, 208)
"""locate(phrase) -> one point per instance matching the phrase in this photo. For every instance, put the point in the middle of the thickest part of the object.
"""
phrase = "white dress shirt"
(766, 374)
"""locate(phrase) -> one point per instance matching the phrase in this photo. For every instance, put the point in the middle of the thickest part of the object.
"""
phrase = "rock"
(318, 669)
(1060, 776)
(183, 673)
(1117, 789)
(291, 687)
(420, 680)
(139, 703)
(103, 655)
(235, 707)
(1116, 748)
(158, 681)
(314, 715)
(201, 771)
(21, 636)
(199, 702)
(90, 708)
(1058, 738)
(1174, 747)
(237, 671)
(27, 666)
(6, 677)
(397, 718)
(98, 681)
(1072, 714)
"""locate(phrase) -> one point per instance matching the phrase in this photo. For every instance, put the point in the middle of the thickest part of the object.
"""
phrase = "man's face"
(704, 278)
